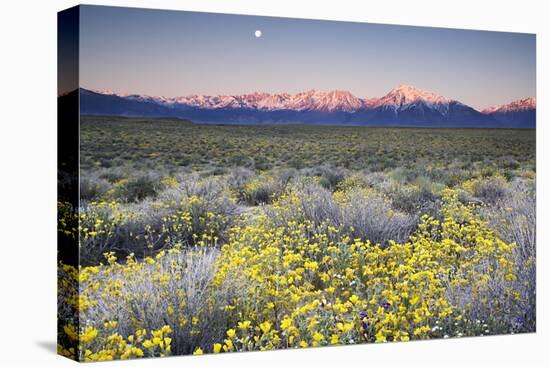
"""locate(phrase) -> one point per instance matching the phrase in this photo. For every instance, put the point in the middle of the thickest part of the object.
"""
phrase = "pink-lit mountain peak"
(402, 97)
(404, 105)
(524, 104)
(404, 94)
(337, 100)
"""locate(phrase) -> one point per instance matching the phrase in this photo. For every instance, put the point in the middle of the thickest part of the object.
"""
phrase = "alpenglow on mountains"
(402, 106)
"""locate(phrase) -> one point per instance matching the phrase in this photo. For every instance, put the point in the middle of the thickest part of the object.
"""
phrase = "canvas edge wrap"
(68, 24)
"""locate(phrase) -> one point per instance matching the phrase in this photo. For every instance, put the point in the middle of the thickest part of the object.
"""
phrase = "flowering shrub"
(260, 190)
(286, 278)
(319, 289)
(146, 228)
(212, 239)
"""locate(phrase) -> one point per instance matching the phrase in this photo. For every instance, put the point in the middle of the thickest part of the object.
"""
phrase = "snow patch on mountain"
(515, 106)
(404, 97)
(400, 99)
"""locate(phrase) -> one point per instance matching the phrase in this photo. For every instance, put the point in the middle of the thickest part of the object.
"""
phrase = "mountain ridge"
(404, 105)
(521, 111)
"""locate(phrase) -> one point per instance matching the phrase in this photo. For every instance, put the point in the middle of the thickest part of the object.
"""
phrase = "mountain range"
(404, 105)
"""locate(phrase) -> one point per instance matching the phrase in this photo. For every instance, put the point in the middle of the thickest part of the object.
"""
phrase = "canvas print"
(234, 183)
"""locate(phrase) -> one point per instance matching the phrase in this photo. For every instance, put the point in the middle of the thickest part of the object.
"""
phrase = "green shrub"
(261, 190)
(413, 199)
(137, 189)
(93, 188)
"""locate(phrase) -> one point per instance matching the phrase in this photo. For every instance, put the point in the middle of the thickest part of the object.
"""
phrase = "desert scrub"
(139, 188)
(297, 285)
(514, 220)
(488, 189)
(369, 215)
(261, 190)
(151, 226)
(93, 188)
(329, 176)
(353, 182)
(375, 235)
(359, 213)
(331, 289)
(130, 301)
(414, 199)
(180, 144)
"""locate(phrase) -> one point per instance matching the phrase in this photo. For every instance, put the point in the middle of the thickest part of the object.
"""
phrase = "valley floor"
(208, 239)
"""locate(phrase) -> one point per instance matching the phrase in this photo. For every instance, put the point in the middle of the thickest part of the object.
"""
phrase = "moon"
(258, 33)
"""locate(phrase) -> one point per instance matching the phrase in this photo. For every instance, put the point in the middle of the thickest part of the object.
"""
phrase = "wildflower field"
(212, 239)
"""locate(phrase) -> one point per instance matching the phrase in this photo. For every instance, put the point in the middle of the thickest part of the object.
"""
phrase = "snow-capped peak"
(529, 103)
(336, 100)
(109, 92)
(400, 98)
(405, 94)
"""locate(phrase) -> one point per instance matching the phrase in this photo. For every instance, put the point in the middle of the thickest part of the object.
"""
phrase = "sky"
(175, 53)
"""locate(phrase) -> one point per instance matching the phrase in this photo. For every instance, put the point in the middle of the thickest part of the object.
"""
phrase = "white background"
(28, 180)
